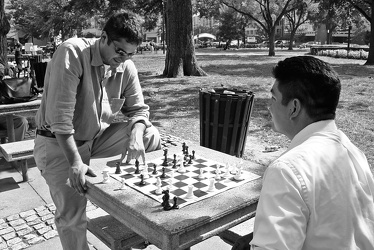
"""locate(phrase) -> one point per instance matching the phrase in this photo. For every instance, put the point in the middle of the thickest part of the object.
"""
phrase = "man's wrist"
(139, 122)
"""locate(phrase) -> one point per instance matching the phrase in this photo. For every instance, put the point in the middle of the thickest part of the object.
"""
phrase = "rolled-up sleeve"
(63, 83)
(134, 107)
(282, 214)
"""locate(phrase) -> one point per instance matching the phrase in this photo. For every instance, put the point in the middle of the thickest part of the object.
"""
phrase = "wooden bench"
(18, 152)
(112, 232)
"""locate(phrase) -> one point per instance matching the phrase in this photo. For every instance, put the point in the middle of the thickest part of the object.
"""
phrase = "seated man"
(319, 193)
(21, 124)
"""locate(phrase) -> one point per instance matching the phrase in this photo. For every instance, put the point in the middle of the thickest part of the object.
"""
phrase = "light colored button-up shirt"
(82, 96)
(317, 195)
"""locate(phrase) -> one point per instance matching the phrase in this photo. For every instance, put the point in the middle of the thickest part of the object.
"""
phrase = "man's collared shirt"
(82, 96)
(317, 195)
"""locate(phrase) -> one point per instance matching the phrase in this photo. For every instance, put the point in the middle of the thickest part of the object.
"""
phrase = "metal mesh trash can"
(224, 119)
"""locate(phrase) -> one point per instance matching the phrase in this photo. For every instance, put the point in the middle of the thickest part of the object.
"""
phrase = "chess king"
(87, 83)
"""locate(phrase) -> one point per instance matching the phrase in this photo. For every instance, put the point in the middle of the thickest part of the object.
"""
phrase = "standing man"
(319, 193)
(87, 82)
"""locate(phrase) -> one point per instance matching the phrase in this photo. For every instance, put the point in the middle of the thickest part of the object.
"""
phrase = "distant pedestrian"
(18, 58)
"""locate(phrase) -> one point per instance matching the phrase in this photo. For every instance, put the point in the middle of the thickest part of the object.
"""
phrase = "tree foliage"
(266, 13)
(232, 25)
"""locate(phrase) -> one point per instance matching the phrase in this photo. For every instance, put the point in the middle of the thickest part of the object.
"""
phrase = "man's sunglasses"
(121, 52)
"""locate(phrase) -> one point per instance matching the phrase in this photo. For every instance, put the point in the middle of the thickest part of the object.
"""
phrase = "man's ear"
(295, 108)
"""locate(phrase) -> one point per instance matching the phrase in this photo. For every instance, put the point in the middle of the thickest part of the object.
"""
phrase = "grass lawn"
(174, 103)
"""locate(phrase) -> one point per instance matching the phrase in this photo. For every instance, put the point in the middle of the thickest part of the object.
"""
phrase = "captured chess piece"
(165, 200)
(118, 168)
(175, 205)
(105, 176)
(123, 184)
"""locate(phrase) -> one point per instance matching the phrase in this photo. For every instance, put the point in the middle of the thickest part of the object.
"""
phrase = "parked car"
(308, 44)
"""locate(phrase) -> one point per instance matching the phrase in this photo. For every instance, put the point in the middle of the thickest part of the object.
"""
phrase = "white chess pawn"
(123, 184)
(158, 184)
(190, 194)
(182, 169)
(105, 176)
(211, 187)
(170, 186)
(145, 171)
(218, 173)
(227, 171)
(201, 175)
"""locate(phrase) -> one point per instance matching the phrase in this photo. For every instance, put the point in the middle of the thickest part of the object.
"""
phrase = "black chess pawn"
(163, 176)
(183, 147)
(186, 151)
(193, 154)
(118, 168)
(175, 158)
(175, 205)
(142, 182)
(165, 163)
(154, 169)
(174, 165)
(137, 171)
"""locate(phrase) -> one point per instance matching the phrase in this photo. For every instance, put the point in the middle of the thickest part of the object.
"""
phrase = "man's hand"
(77, 178)
(134, 148)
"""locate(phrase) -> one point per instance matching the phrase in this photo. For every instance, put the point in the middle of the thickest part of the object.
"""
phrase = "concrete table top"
(182, 228)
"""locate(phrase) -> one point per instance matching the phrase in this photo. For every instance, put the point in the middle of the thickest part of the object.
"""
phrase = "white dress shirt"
(317, 195)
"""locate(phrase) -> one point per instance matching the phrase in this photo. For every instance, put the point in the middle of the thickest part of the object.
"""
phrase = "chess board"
(180, 181)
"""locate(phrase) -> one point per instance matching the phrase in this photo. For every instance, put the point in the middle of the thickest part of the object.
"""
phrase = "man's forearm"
(68, 146)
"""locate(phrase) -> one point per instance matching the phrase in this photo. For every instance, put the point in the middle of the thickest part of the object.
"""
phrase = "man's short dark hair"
(312, 81)
(125, 25)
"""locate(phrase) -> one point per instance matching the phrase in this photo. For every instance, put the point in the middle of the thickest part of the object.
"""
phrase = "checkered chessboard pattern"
(177, 182)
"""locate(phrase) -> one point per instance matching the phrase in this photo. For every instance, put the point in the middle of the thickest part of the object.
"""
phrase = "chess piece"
(174, 164)
(183, 147)
(154, 169)
(218, 173)
(190, 160)
(186, 151)
(158, 184)
(170, 186)
(123, 184)
(145, 171)
(175, 159)
(175, 205)
(193, 154)
(211, 187)
(238, 176)
(201, 174)
(137, 171)
(190, 194)
(142, 182)
(165, 200)
(118, 168)
(165, 163)
(182, 169)
(227, 171)
(163, 176)
(105, 176)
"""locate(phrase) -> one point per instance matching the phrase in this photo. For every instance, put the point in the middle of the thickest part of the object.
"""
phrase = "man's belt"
(45, 133)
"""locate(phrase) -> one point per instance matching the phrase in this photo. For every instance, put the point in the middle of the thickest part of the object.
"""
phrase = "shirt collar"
(95, 53)
(305, 133)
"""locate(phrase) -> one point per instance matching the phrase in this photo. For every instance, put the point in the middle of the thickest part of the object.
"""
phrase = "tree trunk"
(271, 42)
(4, 29)
(292, 38)
(370, 60)
(180, 55)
